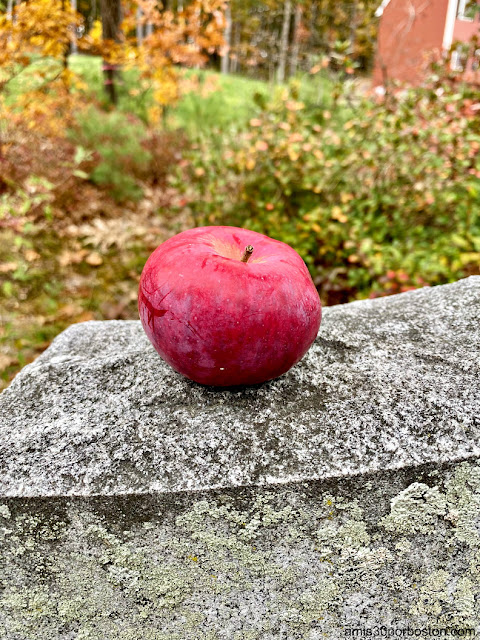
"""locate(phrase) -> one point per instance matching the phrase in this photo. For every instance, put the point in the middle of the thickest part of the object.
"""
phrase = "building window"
(476, 60)
(459, 59)
(455, 62)
(465, 10)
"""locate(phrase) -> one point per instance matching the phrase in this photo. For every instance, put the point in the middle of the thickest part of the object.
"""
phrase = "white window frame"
(455, 61)
(462, 5)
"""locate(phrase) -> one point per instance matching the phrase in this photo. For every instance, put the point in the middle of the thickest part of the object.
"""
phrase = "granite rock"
(340, 500)
(389, 383)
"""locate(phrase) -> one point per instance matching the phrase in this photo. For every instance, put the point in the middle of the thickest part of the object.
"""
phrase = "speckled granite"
(388, 383)
(341, 500)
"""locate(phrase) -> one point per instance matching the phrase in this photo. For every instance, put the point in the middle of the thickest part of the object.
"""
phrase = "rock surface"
(388, 383)
(342, 499)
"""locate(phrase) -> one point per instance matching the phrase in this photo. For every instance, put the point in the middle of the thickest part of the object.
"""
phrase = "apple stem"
(247, 253)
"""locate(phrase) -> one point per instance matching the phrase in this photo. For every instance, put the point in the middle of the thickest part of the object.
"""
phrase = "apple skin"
(223, 322)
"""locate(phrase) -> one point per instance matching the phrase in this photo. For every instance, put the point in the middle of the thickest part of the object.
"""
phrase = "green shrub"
(377, 197)
(118, 142)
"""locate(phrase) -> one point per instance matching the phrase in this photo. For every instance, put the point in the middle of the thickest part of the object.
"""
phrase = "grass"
(231, 102)
(216, 102)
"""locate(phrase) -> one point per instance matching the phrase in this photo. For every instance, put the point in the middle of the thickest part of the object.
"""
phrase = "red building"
(413, 32)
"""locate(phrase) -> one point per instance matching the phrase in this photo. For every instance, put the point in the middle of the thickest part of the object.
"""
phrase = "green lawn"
(216, 102)
(231, 101)
(198, 110)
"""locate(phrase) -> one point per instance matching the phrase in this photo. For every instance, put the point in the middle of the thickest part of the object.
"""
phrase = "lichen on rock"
(416, 509)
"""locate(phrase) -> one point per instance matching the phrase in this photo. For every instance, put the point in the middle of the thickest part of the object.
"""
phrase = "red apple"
(226, 306)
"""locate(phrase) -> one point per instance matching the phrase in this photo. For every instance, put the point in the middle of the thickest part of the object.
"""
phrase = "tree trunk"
(296, 42)
(111, 12)
(139, 27)
(312, 40)
(74, 47)
(9, 9)
(236, 42)
(353, 28)
(282, 60)
(66, 51)
(228, 40)
(93, 14)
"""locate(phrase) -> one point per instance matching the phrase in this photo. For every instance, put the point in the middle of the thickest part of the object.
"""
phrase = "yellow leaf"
(337, 214)
(469, 257)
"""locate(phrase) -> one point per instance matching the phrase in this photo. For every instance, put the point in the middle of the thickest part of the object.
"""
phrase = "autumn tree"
(175, 38)
(35, 39)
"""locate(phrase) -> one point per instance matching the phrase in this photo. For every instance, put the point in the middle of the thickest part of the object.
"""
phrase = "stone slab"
(341, 500)
(389, 383)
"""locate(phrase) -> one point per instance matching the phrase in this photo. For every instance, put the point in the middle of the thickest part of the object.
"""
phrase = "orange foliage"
(41, 27)
(184, 38)
(45, 29)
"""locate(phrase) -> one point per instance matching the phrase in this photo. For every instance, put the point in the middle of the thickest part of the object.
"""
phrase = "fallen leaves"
(69, 257)
(69, 310)
(6, 361)
(7, 267)
(104, 234)
(31, 255)
(94, 259)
